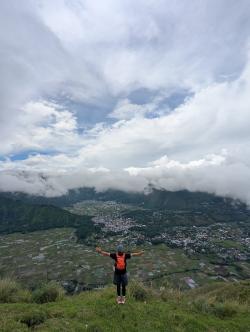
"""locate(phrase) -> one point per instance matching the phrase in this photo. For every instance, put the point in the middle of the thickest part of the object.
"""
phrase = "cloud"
(89, 51)
(42, 126)
(56, 183)
(126, 110)
(202, 145)
(215, 118)
(62, 62)
(217, 174)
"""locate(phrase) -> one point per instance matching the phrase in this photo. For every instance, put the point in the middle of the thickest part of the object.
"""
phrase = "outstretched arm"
(103, 253)
(137, 253)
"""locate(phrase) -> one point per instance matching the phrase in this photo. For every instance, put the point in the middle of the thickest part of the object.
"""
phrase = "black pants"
(121, 281)
(119, 286)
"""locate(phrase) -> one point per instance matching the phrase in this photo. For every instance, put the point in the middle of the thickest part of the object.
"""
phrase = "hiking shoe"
(119, 299)
(123, 299)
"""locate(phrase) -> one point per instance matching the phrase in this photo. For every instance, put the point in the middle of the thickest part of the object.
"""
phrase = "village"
(222, 240)
(224, 243)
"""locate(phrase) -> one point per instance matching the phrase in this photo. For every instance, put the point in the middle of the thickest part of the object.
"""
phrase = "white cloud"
(126, 110)
(217, 174)
(95, 53)
(56, 183)
(42, 126)
(215, 118)
(206, 140)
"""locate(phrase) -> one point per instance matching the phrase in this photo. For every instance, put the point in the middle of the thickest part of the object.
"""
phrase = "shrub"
(171, 294)
(201, 305)
(223, 310)
(139, 292)
(94, 328)
(33, 317)
(50, 292)
(10, 325)
(23, 295)
(221, 292)
(240, 293)
(10, 292)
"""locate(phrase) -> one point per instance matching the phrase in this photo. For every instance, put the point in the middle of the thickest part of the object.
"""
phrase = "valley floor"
(56, 255)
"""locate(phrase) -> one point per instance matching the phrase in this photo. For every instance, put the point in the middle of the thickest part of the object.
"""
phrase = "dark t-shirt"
(127, 256)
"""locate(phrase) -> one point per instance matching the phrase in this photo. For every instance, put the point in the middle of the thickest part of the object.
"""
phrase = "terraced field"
(56, 255)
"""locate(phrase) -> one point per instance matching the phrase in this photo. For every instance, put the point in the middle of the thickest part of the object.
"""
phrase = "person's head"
(120, 249)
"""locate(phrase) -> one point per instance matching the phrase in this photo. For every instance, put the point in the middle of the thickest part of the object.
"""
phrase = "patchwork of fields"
(56, 255)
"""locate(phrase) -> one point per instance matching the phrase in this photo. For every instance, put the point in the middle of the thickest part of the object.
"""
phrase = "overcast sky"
(123, 93)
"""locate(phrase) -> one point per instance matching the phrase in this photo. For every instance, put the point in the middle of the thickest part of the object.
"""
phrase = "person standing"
(120, 270)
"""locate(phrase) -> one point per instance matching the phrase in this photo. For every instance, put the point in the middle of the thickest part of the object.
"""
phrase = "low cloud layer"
(89, 96)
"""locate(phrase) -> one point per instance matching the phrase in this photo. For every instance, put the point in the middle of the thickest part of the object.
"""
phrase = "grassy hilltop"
(218, 307)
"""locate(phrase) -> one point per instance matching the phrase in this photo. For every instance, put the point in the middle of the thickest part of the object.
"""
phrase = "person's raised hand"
(98, 249)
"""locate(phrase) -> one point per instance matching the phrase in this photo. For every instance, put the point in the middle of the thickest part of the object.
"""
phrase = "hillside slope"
(145, 310)
(17, 216)
(207, 208)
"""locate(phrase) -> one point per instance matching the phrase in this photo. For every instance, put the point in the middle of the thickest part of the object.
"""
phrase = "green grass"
(228, 244)
(10, 291)
(145, 310)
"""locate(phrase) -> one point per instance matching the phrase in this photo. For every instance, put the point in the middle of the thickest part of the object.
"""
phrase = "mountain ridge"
(19, 216)
(154, 199)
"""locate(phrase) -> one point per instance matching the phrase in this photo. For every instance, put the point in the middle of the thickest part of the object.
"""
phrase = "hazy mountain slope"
(17, 216)
(156, 199)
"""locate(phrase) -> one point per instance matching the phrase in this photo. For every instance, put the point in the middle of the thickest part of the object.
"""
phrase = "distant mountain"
(180, 207)
(73, 196)
(18, 216)
(156, 199)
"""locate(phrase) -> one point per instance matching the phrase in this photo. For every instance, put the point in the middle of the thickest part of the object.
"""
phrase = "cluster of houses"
(193, 239)
(114, 224)
(208, 240)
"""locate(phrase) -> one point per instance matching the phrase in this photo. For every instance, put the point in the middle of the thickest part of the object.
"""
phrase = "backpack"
(120, 262)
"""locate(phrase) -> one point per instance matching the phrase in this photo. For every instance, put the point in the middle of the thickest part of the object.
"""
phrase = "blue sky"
(122, 93)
